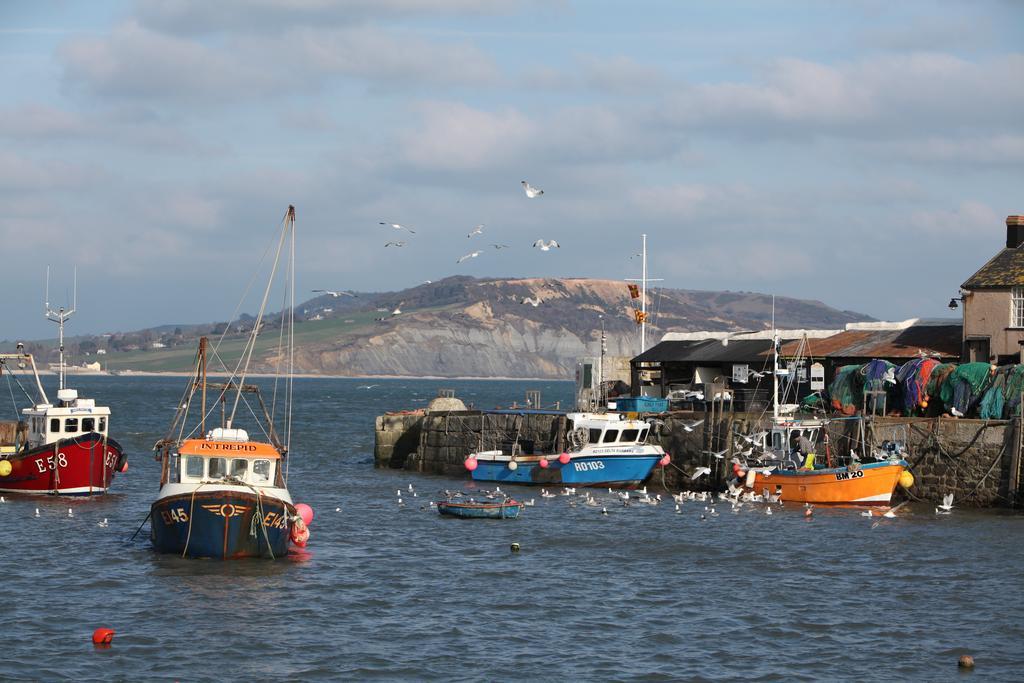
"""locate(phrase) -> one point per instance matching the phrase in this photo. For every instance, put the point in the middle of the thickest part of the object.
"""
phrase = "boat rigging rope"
(191, 510)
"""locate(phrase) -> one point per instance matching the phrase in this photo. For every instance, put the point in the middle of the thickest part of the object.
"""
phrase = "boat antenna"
(602, 399)
(643, 280)
(59, 316)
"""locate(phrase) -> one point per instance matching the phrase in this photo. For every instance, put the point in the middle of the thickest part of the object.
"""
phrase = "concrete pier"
(979, 461)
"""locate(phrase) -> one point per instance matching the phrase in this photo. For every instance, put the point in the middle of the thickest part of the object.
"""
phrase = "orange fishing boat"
(794, 477)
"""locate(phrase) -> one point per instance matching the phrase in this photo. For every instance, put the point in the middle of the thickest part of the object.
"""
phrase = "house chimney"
(1014, 231)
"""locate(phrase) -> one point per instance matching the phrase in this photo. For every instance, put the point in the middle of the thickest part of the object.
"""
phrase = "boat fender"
(564, 458)
(305, 512)
(665, 460)
(5, 468)
(513, 465)
(543, 463)
(470, 463)
(906, 479)
(300, 532)
(122, 463)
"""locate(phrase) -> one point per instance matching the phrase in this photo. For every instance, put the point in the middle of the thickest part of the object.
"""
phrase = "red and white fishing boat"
(58, 449)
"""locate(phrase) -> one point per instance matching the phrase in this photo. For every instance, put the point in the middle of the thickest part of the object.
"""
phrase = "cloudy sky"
(862, 153)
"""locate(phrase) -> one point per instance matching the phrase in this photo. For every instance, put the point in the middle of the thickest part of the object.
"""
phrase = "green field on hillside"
(181, 358)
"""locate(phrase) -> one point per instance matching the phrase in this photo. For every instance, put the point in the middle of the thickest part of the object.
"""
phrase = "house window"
(1017, 307)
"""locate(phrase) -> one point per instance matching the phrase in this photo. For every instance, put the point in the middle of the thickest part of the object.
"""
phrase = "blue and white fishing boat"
(604, 449)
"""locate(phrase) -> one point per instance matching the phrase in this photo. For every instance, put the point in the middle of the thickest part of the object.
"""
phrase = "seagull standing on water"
(546, 246)
(399, 226)
(531, 191)
(470, 255)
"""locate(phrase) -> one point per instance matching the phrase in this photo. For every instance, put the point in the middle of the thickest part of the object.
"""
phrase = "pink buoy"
(305, 512)
(665, 460)
(564, 458)
(470, 464)
(543, 463)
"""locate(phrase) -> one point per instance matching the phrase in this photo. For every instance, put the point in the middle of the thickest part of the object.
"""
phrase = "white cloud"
(454, 136)
(133, 61)
(40, 121)
(970, 217)
(868, 98)
(202, 16)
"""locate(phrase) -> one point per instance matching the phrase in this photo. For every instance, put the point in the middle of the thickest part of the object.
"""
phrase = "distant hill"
(462, 326)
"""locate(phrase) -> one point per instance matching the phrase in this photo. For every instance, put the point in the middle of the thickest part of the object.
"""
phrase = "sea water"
(398, 592)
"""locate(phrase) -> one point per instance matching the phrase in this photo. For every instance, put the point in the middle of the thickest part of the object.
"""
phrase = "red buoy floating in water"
(543, 463)
(470, 463)
(564, 458)
(305, 512)
(103, 636)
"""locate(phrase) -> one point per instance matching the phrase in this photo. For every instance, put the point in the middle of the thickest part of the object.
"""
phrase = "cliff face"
(482, 328)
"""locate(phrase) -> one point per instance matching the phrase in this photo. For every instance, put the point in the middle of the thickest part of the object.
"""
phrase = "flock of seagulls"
(541, 244)
(737, 499)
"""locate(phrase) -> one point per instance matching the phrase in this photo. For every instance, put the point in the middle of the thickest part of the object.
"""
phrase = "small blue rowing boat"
(471, 509)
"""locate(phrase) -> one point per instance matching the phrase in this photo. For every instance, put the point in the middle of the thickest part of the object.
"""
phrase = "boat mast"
(289, 226)
(59, 316)
(775, 368)
(202, 370)
(643, 280)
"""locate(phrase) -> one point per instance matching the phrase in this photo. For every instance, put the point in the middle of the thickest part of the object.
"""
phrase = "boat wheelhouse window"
(194, 466)
(218, 468)
(88, 424)
(595, 436)
(610, 436)
(71, 425)
(103, 425)
(629, 435)
(239, 466)
(643, 435)
(54, 424)
(776, 441)
(260, 471)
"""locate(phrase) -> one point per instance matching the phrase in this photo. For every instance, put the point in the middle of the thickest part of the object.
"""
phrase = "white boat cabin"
(71, 417)
(225, 456)
(784, 432)
(609, 428)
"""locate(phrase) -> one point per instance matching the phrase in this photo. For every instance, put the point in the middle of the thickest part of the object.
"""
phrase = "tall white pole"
(643, 299)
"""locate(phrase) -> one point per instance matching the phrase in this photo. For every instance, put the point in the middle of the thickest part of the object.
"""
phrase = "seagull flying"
(700, 471)
(689, 427)
(334, 293)
(546, 246)
(399, 226)
(395, 244)
(470, 255)
(500, 246)
(398, 309)
(719, 455)
(947, 505)
(531, 191)
(478, 230)
(535, 302)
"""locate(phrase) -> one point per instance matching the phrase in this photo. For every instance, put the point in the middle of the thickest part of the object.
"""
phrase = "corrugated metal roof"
(932, 340)
(1005, 269)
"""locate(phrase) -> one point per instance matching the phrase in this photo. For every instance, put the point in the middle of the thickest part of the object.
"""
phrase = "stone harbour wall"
(978, 461)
